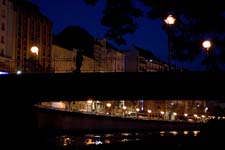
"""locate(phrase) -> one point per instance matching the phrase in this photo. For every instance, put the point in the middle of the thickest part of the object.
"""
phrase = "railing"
(69, 65)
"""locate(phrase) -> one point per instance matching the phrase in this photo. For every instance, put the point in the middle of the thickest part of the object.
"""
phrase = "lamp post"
(124, 110)
(170, 20)
(34, 50)
(207, 45)
(108, 105)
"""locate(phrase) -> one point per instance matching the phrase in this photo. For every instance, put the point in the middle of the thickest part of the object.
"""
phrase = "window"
(3, 13)
(2, 52)
(2, 40)
(3, 27)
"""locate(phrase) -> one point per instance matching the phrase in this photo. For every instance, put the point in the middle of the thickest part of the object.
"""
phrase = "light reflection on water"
(98, 139)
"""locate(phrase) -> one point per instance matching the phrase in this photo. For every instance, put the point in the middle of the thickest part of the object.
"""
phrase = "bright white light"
(206, 109)
(170, 20)
(108, 105)
(196, 133)
(124, 107)
(89, 101)
(174, 113)
(137, 109)
(2, 72)
(185, 115)
(19, 72)
(98, 142)
(34, 50)
(149, 111)
(185, 132)
(162, 112)
(206, 44)
(59, 105)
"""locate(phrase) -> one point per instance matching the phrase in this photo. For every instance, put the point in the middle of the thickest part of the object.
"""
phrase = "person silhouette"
(79, 60)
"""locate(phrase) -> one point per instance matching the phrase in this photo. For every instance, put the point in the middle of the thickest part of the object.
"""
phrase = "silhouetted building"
(141, 60)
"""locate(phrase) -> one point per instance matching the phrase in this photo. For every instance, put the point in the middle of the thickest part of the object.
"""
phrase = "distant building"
(6, 33)
(4, 64)
(108, 58)
(64, 60)
(24, 26)
(141, 60)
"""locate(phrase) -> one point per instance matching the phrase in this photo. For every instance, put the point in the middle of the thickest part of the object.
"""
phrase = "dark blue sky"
(64, 13)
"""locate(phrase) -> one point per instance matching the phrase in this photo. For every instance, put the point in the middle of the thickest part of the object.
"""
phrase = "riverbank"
(50, 119)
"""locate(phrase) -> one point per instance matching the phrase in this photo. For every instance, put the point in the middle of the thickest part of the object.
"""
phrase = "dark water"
(211, 136)
(159, 139)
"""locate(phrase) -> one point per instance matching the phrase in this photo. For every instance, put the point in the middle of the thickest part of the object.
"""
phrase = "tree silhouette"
(194, 22)
(75, 37)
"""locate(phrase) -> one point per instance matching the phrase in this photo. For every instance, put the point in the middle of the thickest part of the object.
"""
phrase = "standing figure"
(79, 60)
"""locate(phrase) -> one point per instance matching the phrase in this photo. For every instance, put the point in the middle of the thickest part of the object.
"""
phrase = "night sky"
(75, 12)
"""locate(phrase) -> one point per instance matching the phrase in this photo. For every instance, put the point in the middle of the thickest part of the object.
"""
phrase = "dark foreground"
(210, 137)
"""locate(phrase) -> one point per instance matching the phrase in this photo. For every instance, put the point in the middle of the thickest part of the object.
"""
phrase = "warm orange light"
(34, 50)
(89, 101)
(108, 105)
(207, 44)
(149, 111)
(170, 20)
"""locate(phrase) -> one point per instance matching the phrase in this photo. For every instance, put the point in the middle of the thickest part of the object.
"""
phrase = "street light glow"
(19, 72)
(149, 111)
(170, 20)
(108, 105)
(207, 44)
(137, 109)
(34, 50)
(89, 101)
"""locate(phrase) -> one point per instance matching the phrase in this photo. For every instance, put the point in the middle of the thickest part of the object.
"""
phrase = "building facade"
(6, 34)
(108, 58)
(64, 60)
(24, 26)
(141, 60)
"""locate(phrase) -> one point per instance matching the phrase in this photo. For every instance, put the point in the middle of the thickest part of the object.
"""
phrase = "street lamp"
(207, 45)
(170, 20)
(108, 105)
(34, 50)
(124, 110)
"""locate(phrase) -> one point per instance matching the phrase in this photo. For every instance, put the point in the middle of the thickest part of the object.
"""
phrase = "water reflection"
(186, 132)
(98, 139)
(196, 133)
